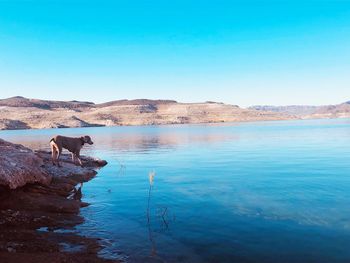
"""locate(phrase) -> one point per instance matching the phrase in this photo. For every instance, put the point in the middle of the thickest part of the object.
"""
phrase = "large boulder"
(20, 166)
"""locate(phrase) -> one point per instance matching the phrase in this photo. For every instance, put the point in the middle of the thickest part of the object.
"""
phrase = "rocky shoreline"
(37, 201)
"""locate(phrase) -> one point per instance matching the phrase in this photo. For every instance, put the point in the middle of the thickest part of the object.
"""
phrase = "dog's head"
(87, 139)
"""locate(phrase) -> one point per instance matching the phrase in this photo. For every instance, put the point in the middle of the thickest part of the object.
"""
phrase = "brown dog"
(73, 145)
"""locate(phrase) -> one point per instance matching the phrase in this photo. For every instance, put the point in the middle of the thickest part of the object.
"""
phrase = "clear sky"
(239, 52)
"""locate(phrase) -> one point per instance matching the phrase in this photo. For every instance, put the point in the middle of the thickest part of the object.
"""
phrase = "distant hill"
(24, 113)
(44, 104)
(328, 111)
(297, 110)
(334, 110)
(19, 101)
(135, 102)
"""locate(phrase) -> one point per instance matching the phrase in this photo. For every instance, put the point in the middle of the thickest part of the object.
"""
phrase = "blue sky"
(239, 52)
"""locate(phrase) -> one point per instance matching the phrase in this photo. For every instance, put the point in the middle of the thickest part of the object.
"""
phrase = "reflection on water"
(252, 192)
(124, 139)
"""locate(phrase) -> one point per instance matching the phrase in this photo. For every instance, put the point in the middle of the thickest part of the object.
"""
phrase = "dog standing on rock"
(73, 145)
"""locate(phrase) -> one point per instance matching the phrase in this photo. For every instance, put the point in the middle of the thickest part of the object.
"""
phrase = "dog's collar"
(82, 140)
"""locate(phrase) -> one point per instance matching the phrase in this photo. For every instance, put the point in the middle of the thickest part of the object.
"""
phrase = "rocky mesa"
(23, 113)
(341, 110)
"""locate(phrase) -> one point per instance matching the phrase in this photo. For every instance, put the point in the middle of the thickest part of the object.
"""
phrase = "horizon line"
(176, 101)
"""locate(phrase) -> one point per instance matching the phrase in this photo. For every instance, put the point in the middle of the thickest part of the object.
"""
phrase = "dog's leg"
(73, 158)
(53, 153)
(80, 162)
(59, 151)
(77, 155)
(76, 159)
(54, 158)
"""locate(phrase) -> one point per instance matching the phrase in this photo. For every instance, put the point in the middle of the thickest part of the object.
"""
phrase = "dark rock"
(35, 194)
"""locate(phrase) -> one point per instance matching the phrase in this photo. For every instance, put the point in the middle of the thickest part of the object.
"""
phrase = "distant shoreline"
(20, 113)
(181, 124)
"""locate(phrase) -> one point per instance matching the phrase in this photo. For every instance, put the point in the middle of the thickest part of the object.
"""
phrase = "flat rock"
(20, 166)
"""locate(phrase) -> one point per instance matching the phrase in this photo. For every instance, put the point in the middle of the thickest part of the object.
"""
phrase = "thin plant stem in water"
(122, 168)
(151, 176)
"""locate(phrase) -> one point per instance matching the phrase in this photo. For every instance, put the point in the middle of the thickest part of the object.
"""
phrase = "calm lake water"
(245, 192)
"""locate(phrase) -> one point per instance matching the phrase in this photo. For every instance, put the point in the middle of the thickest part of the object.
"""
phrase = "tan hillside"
(20, 113)
(333, 111)
(309, 112)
